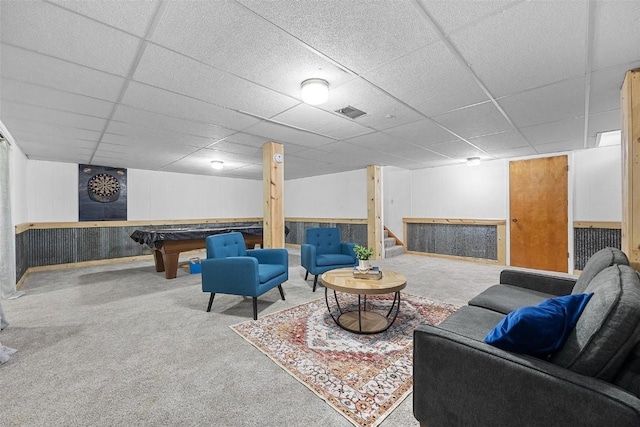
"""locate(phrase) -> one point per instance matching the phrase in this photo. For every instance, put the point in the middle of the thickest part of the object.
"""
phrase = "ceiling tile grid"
(167, 85)
(45, 28)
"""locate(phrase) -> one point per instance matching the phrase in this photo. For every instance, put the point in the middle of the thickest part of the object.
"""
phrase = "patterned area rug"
(364, 377)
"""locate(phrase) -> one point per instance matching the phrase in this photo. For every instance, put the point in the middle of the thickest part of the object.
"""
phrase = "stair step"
(386, 233)
(394, 251)
(389, 242)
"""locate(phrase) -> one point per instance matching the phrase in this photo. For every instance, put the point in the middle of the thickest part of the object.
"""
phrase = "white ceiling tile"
(31, 67)
(309, 118)
(48, 29)
(556, 147)
(140, 133)
(148, 98)
(514, 152)
(26, 93)
(500, 141)
(616, 33)
(457, 150)
(349, 32)
(131, 16)
(453, 15)
(531, 44)
(247, 139)
(49, 129)
(159, 121)
(279, 133)
(563, 100)
(415, 155)
(188, 77)
(605, 87)
(424, 133)
(382, 111)
(229, 37)
(10, 110)
(234, 148)
(381, 141)
(432, 72)
(478, 120)
(604, 122)
(561, 130)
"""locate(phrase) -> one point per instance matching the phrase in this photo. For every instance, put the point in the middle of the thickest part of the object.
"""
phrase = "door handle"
(515, 220)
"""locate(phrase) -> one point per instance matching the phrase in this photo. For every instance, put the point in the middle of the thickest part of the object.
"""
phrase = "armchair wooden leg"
(281, 292)
(306, 275)
(315, 282)
(211, 301)
(255, 308)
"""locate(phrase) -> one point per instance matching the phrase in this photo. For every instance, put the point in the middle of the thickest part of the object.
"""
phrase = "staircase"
(392, 246)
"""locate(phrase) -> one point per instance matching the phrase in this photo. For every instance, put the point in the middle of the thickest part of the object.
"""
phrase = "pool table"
(167, 244)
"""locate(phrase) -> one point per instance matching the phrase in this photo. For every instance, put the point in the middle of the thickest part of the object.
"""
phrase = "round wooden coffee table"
(362, 320)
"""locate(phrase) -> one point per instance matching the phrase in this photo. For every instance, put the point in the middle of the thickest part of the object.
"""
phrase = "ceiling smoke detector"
(351, 112)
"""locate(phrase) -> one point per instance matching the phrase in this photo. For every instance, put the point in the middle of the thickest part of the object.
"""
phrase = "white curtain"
(7, 244)
(7, 234)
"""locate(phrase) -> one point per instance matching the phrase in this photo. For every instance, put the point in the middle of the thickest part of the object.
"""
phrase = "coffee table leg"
(396, 297)
(326, 300)
(360, 312)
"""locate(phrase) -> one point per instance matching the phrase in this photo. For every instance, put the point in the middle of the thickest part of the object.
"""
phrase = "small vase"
(363, 265)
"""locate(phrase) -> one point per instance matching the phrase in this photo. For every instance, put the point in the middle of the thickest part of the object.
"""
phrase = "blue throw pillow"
(539, 330)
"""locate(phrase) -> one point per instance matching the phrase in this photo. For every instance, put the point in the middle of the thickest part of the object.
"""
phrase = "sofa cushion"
(334, 259)
(541, 329)
(628, 377)
(609, 327)
(471, 322)
(506, 298)
(597, 262)
(267, 272)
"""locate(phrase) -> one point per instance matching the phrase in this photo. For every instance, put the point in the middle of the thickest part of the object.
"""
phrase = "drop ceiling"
(173, 85)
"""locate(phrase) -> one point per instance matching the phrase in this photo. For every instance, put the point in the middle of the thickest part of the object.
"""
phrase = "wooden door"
(538, 207)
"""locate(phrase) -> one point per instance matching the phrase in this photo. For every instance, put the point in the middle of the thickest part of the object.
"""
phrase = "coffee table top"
(342, 280)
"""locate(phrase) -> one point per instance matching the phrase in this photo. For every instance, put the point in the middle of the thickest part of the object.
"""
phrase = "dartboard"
(103, 188)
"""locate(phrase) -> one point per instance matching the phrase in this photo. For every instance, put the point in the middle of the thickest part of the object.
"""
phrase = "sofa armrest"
(308, 256)
(346, 248)
(555, 285)
(232, 275)
(460, 381)
(270, 256)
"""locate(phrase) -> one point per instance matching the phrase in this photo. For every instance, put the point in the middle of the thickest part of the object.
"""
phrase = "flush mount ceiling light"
(217, 164)
(315, 91)
(472, 161)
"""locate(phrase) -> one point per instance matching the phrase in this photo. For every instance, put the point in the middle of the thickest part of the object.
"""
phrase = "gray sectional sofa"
(592, 380)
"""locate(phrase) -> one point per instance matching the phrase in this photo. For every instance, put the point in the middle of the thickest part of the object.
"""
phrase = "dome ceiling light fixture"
(314, 91)
(473, 161)
(217, 164)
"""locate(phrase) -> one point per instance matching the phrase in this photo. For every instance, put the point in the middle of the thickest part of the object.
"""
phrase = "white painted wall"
(164, 195)
(18, 176)
(460, 191)
(598, 184)
(52, 191)
(47, 192)
(338, 195)
(396, 190)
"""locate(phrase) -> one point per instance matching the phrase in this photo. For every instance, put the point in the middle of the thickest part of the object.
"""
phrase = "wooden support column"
(273, 194)
(374, 210)
(630, 106)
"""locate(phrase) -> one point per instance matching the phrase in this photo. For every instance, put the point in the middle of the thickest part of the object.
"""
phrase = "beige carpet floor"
(121, 345)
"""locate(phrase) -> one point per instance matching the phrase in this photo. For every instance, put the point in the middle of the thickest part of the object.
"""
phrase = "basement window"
(604, 139)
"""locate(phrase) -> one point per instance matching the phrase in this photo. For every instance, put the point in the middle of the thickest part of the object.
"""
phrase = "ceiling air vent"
(351, 112)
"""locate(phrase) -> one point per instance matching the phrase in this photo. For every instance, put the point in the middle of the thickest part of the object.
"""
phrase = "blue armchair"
(324, 251)
(232, 269)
